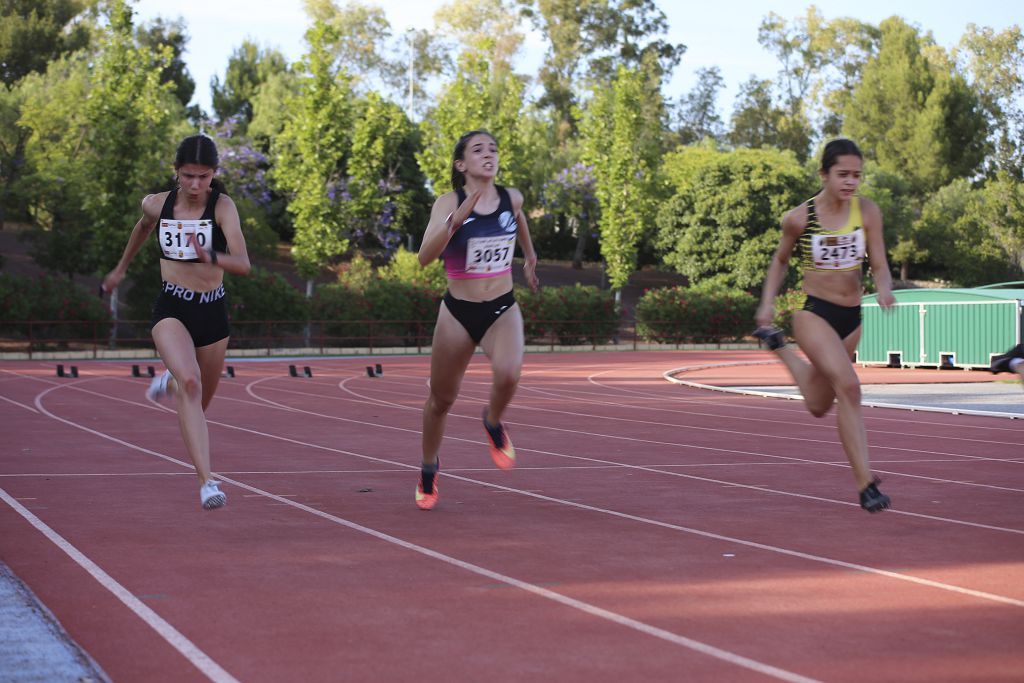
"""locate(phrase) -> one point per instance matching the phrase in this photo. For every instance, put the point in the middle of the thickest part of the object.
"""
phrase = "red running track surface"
(650, 532)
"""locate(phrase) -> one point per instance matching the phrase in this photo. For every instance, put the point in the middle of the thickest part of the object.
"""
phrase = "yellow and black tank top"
(832, 250)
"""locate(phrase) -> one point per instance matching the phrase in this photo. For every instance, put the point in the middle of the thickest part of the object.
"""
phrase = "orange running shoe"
(502, 453)
(428, 479)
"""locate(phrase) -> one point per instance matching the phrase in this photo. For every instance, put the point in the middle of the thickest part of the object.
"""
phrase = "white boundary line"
(669, 375)
(174, 638)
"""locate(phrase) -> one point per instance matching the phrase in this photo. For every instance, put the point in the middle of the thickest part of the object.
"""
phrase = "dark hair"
(197, 149)
(458, 177)
(837, 148)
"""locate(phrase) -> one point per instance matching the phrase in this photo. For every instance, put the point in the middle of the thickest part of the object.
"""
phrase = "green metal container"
(951, 328)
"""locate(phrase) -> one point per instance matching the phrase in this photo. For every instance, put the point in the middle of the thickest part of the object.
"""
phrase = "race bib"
(490, 254)
(838, 252)
(179, 238)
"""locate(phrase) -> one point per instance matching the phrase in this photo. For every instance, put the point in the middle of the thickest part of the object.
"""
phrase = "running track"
(651, 532)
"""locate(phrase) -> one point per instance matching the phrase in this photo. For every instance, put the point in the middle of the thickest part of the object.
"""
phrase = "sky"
(722, 34)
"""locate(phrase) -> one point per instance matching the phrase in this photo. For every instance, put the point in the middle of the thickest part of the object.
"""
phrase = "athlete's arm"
(875, 243)
(445, 218)
(793, 225)
(151, 206)
(525, 241)
(236, 261)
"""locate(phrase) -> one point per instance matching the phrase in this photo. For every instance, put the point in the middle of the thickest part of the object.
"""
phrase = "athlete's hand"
(460, 214)
(886, 299)
(530, 271)
(765, 315)
(112, 280)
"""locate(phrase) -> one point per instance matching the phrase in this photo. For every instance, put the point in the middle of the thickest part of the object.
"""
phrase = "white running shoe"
(211, 496)
(158, 387)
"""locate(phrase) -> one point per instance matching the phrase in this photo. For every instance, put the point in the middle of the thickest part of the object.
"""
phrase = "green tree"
(698, 112)
(588, 40)
(995, 62)
(617, 143)
(893, 194)
(386, 186)
(159, 32)
(99, 143)
(914, 114)
(973, 236)
(249, 67)
(720, 226)
(35, 32)
(311, 155)
(376, 58)
(477, 98)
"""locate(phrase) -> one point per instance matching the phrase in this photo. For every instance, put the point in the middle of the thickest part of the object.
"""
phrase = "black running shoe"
(771, 336)
(873, 500)
(1001, 363)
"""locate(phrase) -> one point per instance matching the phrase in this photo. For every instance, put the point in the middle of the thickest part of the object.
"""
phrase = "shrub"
(680, 314)
(405, 267)
(266, 298)
(571, 315)
(386, 310)
(75, 312)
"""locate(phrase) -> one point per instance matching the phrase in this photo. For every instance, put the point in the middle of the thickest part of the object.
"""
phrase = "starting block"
(294, 372)
(229, 371)
(374, 370)
(72, 371)
(150, 372)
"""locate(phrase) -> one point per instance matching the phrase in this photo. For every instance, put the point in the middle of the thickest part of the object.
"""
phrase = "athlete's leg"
(816, 389)
(211, 364)
(174, 344)
(832, 359)
(450, 353)
(503, 343)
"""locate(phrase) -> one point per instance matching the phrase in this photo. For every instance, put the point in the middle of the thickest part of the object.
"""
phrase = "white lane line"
(670, 376)
(785, 551)
(614, 617)
(174, 638)
(19, 404)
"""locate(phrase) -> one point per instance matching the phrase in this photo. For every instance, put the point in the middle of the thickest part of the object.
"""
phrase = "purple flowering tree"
(571, 193)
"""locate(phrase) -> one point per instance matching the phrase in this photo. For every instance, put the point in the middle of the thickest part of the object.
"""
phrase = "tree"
(376, 58)
(974, 236)
(249, 67)
(386, 186)
(35, 32)
(477, 98)
(312, 152)
(571, 194)
(155, 35)
(914, 114)
(720, 226)
(588, 40)
(698, 111)
(109, 142)
(616, 144)
(995, 62)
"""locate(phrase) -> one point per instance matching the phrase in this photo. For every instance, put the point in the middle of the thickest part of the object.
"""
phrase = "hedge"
(681, 314)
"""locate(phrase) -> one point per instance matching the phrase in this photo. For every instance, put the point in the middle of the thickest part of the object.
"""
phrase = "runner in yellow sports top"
(832, 231)
(200, 237)
(475, 229)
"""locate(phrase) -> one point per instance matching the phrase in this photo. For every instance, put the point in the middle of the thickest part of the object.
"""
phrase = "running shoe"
(502, 453)
(771, 336)
(1001, 363)
(158, 386)
(873, 500)
(211, 496)
(428, 482)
